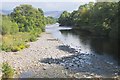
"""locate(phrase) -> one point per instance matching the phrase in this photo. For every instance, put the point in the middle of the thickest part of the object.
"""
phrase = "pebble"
(62, 64)
(84, 76)
(44, 68)
(36, 64)
(91, 74)
(89, 77)
(66, 67)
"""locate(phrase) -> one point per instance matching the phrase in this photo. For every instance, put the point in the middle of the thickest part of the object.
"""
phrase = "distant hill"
(55, 14)
(5, 11)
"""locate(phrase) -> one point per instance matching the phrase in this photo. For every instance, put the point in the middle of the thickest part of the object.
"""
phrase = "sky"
(46, 5)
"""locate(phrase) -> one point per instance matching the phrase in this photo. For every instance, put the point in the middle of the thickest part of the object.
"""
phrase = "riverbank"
(31, 62)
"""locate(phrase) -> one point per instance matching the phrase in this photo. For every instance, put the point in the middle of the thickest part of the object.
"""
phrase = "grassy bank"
(17, 41)
(20, 27)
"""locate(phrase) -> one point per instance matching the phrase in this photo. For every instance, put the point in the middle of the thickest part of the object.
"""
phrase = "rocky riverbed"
(49, 58)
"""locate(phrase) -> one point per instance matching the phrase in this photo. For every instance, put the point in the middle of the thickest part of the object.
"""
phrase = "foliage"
(50, 20)
(7, 70)
(99, 18)
(24, 24)
(64, 18)
(28, 18)
(8, 27)
(15, 42)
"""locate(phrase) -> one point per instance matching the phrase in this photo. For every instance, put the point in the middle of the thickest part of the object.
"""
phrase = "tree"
(99, 18)
(64, 18)
(28, 18)
(8, 27)
(50, 20)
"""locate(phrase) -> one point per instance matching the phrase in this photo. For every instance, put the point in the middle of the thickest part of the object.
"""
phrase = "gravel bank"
(1, 65)
(28, 63)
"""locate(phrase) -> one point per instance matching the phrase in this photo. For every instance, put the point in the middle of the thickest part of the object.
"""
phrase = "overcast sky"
(47, 5)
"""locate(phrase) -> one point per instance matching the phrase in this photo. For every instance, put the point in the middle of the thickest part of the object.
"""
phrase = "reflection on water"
(102, 47)
(84, 41)
(90, 44)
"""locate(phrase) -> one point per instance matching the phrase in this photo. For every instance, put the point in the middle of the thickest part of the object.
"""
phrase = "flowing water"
(100, 53)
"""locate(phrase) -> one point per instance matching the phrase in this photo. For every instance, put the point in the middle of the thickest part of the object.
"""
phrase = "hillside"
(55, 14)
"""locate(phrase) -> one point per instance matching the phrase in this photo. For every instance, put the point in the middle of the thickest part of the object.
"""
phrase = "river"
(100, 53)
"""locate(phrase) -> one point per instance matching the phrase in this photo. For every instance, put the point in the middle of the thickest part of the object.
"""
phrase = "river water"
(100, 53)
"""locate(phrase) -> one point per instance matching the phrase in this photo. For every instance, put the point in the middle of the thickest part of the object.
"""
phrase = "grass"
(7, 70)
(17, 41)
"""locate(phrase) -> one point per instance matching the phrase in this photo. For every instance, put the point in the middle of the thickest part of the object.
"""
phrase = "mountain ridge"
(55, 14)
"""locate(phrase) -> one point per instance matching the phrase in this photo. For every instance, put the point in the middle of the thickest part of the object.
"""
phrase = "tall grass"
(7, 70)
(17, 41)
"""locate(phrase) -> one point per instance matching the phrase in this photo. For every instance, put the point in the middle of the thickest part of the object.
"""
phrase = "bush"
(15, 42)
(30, 18)
(32, 38)
(15, 48)
(8, 27)
(7, 70)
(19, 28)
(22, 46)
(6, 47)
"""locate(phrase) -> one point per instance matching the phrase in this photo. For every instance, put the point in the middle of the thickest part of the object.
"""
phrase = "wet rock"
(66, 67)
(63, 64)
(76, 58)
(92, 74)
(78, 65)
(71, 64)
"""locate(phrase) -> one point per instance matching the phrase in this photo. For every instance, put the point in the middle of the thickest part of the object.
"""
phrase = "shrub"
(14, 42)
(7, 70)
(8, 27)
(17, 42)
(27, 45)
(32, 38)
(6, 47)
(22, 46)
(15, 48)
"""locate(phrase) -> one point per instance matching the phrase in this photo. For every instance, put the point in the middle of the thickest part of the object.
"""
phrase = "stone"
(84, 76)
(44, 68)
(62, 64)
(92, 74)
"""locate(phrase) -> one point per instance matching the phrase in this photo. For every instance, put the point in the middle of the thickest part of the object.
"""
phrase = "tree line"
(99, 18)
(25, 18)
(22, 25)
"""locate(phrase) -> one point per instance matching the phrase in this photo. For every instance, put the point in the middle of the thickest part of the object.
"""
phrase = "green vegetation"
(64, 19)
(99, 18)
(23, 25)
(7, 70)
(15, 42)
(50, 20)
(28, 18)
(9, 27)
